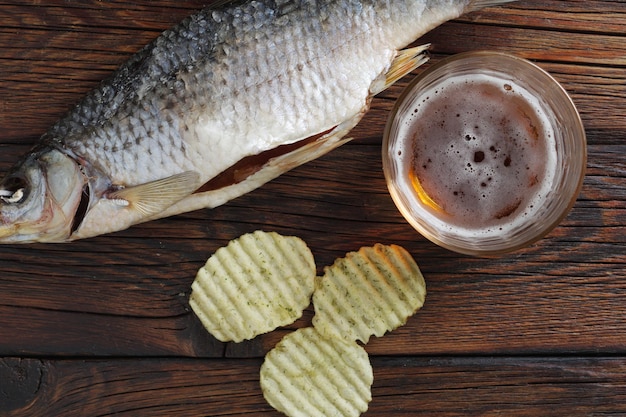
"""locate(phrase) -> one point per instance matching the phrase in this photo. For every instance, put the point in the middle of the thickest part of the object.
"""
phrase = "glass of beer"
(484, 153)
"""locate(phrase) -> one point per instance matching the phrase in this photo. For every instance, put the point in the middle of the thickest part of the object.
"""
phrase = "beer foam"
(479, 153)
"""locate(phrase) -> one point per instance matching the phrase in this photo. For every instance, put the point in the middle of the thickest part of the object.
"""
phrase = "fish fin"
(405, 62)
(153, 197)
(480, 4)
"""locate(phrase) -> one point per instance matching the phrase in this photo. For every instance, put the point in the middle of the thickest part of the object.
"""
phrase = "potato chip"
(307, 374)
(369, 292)
(255, 284)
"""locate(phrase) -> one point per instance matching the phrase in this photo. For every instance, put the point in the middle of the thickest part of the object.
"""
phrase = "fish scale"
(213, 82)
(223, 95)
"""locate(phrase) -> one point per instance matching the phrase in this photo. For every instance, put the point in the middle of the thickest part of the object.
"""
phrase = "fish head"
(40, 198)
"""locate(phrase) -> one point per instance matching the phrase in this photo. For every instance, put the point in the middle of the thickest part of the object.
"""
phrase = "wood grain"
(402, 387)
(103, 326)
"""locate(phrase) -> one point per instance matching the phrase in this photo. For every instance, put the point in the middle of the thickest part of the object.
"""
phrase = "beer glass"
(484, 153)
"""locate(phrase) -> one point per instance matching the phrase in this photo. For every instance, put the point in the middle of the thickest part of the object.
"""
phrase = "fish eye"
(13, 191)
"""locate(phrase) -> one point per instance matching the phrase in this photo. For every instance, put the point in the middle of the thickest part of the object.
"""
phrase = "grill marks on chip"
(369, 292)
(255, 284)
(307, 374)
(261, 281)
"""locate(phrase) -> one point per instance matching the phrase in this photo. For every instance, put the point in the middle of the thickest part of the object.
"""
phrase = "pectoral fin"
(405, 62)
(154, 197)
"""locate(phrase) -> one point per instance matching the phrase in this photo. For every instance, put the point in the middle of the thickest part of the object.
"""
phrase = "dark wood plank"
(402, 387)
(53, 52)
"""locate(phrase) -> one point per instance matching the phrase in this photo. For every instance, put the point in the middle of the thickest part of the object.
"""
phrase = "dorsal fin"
(405, 62)
(481, 4)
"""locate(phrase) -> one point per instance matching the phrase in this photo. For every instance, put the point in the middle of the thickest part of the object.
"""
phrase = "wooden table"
(103, 327)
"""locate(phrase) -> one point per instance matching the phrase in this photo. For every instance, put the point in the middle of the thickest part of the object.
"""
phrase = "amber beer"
(484, 153)
(479, 153)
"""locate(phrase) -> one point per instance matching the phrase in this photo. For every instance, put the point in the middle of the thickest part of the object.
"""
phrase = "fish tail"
(479, 4)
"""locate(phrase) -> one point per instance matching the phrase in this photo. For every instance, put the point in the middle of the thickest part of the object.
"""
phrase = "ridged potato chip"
(307, 374)
(256, 283)
(369, 292)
